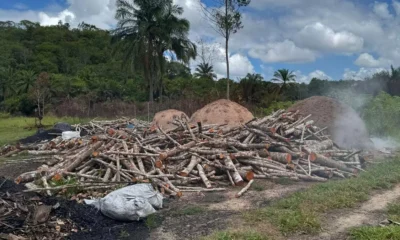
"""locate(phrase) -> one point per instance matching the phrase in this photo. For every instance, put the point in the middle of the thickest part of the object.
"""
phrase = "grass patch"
(189, 210)
(394, 212)
(258, 187)
(376, 233)
(237, 235)
(15, 128)
(300, 211)
(153, 221)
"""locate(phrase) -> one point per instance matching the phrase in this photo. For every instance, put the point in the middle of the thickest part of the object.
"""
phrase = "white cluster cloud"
(65, 16)
(323, 38)
(367, 60)
(382, 10)
(285, 31)
(307, 78)
(361, 74)
(285, 51)
(98, 12)
(396, 6)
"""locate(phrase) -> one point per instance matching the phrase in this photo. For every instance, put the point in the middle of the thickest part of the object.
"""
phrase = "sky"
(329, 39)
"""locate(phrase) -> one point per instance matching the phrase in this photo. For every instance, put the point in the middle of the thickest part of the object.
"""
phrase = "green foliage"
(4, 115)
(382, 115)
(274, 106)
(146, 30)
(206, 71)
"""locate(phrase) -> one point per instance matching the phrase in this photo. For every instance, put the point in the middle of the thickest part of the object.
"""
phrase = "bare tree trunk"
(227, 47)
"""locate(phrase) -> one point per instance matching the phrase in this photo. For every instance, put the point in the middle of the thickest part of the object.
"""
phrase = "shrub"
(274, 106)
(382, 115)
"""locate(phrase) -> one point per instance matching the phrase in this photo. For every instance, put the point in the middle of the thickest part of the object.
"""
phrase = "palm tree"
(249, 86)
(205, 70)
(283, 76)
(26, 81)
(146, 30)
(395, 73)
(7, 77)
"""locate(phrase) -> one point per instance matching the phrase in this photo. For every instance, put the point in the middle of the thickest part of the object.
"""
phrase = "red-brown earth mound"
(222, 112)
(346, 127)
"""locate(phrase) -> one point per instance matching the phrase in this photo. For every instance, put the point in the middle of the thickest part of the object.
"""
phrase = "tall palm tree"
(283, 76)
(205, 70)
(146, 30)
(395, 73)
(26, 81)
(7, 77)
(249, 86)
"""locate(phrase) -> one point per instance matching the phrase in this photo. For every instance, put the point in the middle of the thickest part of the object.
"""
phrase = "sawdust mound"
(222, 112)
(344, 125)
(165, 118)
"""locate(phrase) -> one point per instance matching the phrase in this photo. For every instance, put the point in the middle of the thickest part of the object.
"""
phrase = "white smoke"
(385, 143)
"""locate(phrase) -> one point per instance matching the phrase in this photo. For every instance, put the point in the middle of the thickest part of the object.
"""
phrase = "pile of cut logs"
(190, 158)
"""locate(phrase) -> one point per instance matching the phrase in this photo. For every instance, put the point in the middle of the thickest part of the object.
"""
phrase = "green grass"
(153, 221)
(394, 212)
(14, 128)
(378, 232)
(258, 187)
(300, 212)
(189, 210)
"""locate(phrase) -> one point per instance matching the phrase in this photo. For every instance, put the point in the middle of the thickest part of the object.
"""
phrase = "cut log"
(284, 158)
(237, 179)
(203, 176)
(324, 161)
(193, 163)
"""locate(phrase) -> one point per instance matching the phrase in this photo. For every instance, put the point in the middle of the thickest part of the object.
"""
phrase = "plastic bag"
(129, 203)
(144, 190)
(70, 134)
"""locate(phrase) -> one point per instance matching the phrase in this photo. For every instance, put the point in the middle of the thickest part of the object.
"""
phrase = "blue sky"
(331, 39)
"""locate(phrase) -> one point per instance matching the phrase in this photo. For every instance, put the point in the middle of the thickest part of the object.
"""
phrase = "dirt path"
(369, 213)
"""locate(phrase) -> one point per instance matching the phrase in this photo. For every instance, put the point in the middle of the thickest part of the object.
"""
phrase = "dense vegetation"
(86, 71)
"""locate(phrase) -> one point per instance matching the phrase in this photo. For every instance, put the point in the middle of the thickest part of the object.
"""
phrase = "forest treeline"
(84, 64)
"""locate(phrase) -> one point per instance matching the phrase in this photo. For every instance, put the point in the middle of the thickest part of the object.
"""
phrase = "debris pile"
(27, 215)
(190, 158)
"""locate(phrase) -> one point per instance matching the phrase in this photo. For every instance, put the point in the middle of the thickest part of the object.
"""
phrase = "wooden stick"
(239, 194)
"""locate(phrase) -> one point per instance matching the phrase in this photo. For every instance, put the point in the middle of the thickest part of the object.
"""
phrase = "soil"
(348, 130)
(12, 170)
(222, 112)
(165, 118)
(89, 222)
(221, 210)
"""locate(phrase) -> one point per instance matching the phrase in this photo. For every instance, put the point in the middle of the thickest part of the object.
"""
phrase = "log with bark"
(281, 145)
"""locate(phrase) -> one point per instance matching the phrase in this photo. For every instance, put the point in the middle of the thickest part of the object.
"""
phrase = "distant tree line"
(128, 64)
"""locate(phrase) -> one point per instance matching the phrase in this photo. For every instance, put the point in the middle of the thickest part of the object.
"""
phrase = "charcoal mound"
(165, 118)
(91, 224)
(345, 126)
(222, 112)
(42, 136)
